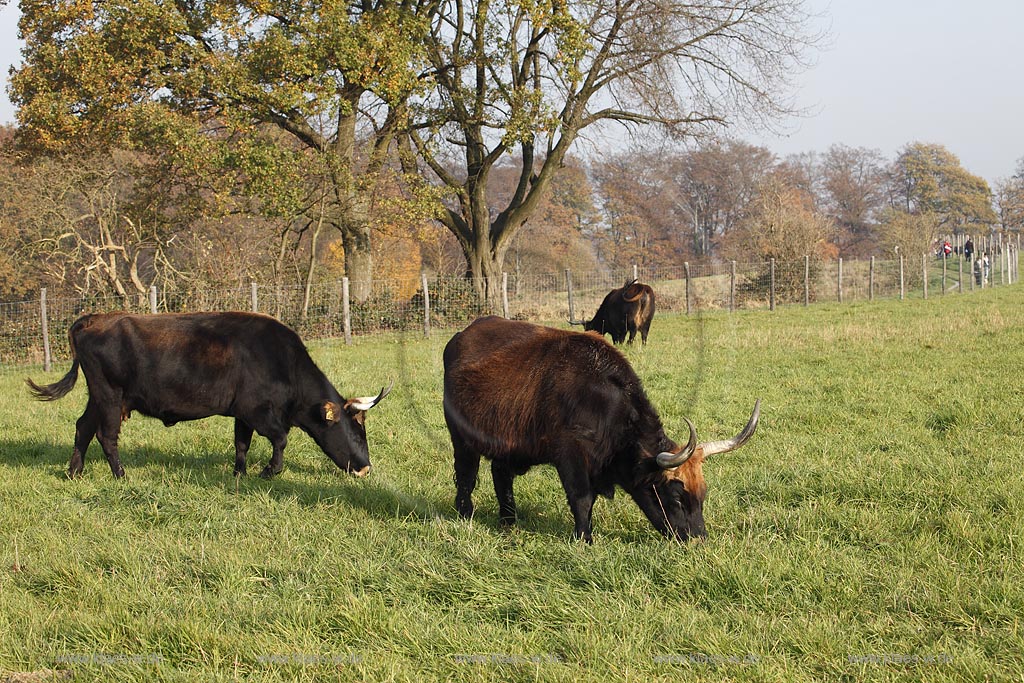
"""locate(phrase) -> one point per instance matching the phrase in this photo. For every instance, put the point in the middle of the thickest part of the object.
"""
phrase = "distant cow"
(627, 309)
(178, 367)
(524, 395)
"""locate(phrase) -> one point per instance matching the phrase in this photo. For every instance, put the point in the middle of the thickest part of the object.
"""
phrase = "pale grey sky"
(898, 71)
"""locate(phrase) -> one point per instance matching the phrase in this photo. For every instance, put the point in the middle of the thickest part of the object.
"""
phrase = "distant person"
(985, 267)
(977, 272)
(968, 250)
(947, 249)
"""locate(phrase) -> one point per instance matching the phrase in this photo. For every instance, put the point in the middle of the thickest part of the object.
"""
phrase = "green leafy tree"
(1010, 200)
(236, 95)
(928, 179)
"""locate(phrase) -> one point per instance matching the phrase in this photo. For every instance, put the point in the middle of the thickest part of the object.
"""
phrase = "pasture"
(871, 530)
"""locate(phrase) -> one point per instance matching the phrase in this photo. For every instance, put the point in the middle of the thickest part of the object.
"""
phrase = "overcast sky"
(897, 71)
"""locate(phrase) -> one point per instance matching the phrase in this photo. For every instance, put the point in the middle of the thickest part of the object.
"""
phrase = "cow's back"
(182, 366)
(510, 387)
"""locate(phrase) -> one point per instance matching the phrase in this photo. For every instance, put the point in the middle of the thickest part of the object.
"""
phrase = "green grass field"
(871, 530)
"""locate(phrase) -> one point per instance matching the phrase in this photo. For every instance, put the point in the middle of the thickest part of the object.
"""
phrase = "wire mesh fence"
(34, 332)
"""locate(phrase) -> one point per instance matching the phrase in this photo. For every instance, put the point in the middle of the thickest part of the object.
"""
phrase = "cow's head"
(672, 491)
(340, 431)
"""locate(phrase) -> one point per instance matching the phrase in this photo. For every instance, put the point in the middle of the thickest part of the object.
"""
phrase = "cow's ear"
(330, 411)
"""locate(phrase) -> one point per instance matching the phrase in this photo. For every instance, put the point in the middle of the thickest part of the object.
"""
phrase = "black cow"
(524, 395)
(178, 367)
(626, 309)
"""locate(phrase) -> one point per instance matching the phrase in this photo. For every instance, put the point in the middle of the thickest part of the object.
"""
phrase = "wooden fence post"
(47, 358)
(732, 286)
(346, 311)
(568, 289)
(807, 280)
(426, 306)
(686, 274)
(902, 281)
(839, 277)
(254, 297)
(504, 294)
(152, 299)
(771, 285)
(944, 260)
(924, 272)
(871, 280)
(636, 272)
(959, 276)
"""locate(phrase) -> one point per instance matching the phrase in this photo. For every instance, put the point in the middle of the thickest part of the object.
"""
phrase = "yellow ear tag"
(329, 412)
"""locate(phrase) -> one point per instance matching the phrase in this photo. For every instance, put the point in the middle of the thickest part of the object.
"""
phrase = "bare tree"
(534, 77)
(853, 180)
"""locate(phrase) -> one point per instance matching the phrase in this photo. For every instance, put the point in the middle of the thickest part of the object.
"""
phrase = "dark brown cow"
(627, 309)
(178, 367)
(524, 395)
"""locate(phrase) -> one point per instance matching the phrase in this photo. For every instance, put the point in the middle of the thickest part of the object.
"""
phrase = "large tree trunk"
(353, 204)
(485, 265)
(358, 259)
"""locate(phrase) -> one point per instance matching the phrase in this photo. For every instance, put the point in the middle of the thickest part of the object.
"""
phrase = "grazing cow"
(523, 395)
(626, 309)
(178, 367)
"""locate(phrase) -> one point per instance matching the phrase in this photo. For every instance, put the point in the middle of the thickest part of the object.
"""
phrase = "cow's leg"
(109, 427)
(85, 430)
(632, 334)
(644, 329)
(277, 443)
(243, 438)
(579, 493)
(467, 466)
(503, 477)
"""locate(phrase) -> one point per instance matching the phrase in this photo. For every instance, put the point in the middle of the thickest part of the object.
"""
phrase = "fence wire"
(382, 306)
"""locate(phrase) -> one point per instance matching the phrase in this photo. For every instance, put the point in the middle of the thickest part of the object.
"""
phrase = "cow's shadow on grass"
(308, 484)
(304, 482)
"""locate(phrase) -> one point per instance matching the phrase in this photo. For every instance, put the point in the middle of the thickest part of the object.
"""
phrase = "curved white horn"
(712, 447)
(668, 461)
(367, 402)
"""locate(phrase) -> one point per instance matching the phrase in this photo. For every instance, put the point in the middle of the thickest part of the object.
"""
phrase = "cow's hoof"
(268, 473)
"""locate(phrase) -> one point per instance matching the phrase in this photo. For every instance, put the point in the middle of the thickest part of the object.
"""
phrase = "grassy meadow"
(871, 530)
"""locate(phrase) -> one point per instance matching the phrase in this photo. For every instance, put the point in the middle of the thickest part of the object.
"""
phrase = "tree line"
(206, 143)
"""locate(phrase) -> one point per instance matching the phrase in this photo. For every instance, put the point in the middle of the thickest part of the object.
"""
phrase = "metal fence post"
(504, 294)
(152, 299)
(871, 280)
(686, 274)
(254, 297)
(47, 359)
(771, 284)
(568, 289)
(346, 311)
(426, 306)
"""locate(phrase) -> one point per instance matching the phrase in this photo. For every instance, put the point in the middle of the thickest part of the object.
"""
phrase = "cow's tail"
(63, 386)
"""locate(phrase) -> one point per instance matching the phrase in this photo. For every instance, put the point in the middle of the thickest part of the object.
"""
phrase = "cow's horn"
(367, 402)
(669, 460)
(575, 322)
(712, 447)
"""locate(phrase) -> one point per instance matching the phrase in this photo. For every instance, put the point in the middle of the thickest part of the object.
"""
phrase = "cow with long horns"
(522, 395)
(178, 367)
(628, 309)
